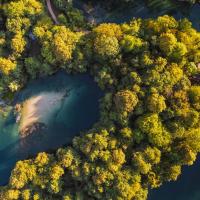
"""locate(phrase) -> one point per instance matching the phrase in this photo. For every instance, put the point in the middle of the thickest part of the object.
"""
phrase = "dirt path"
(53, 16)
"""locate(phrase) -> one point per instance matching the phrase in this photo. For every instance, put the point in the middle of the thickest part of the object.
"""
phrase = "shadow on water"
(78, 111)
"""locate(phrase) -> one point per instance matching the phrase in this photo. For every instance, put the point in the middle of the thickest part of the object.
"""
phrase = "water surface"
(187, 187)
(77, 111)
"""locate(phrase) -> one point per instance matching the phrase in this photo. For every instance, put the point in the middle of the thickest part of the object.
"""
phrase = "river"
(77, 111)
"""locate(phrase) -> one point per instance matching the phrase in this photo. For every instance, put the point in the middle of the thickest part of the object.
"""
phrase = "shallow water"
(77, 111)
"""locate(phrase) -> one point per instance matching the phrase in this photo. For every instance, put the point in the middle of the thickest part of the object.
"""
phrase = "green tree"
(156, 103)
(125, 100)
(64, 43)
(167, 43)
(106, 46)
(132, 44)
(6, 65)
(18, 43)
(194, 95)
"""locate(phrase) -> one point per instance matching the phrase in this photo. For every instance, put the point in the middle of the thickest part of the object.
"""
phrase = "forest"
(150, 113)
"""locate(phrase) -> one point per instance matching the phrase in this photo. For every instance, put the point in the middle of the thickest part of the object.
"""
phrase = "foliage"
(149, 125)
(6, 66)
(70, 17)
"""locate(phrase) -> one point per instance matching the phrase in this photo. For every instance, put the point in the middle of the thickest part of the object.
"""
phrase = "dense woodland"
(149, 126)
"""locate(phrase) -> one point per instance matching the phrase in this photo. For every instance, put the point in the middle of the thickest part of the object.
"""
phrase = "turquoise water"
(77, 111)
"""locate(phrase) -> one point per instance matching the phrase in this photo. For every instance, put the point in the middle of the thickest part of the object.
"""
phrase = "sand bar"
(39, 108)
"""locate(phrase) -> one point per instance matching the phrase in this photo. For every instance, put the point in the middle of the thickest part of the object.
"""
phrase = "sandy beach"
(39, 108)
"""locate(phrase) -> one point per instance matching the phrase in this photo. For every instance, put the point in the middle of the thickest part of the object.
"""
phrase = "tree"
(125, 101)
(173, 172)
(151, 125)
(106, 46)
(133, 28)
(21, 8)
(18, 25)
(12, 194)
(67, 196)
(118, 157)
(194, 95)
(127, 184)
(153, 155)
(126, 133)
(106, 40)
(140, 163)
(64, 43)
(178, 51)
(167, 43)
(156, 103)
(14, 86)
(109, 29)
(68, 158)
(18, 44)
(23, 172)
(26, 194)
(42, 159)
(132, 44)
(6, 66)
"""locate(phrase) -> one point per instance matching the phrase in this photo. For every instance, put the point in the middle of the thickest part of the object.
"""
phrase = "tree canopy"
(150, 114)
